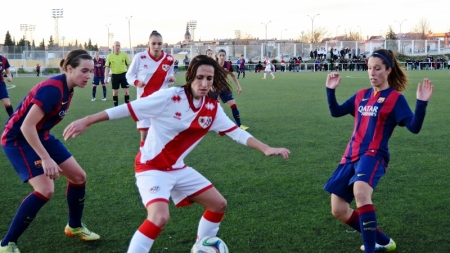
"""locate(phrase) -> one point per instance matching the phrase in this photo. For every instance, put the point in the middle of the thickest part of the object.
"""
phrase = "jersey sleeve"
(133, 70)
(150, 106)
(402, 110)
(107, 63)
(127, 59)
(224, 125)
(47, 97)
(6, 64)
(336, 110)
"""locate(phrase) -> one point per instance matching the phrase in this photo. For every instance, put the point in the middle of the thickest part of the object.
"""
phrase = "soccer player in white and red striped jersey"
(150, 71)
(180, 117)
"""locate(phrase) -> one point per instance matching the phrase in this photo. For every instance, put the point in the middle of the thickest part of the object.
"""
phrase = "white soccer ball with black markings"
(210, 244)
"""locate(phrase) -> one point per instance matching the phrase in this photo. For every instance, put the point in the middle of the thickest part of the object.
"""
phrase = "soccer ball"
(210, 244)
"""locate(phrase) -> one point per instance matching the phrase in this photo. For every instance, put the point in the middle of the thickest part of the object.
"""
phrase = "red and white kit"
(151, 71)
(178, 123)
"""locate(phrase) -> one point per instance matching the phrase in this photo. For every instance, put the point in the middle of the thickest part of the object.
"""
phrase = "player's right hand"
(333, 80)
(51, 169)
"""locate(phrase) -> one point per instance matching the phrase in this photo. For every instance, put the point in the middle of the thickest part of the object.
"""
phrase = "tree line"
(24, 44)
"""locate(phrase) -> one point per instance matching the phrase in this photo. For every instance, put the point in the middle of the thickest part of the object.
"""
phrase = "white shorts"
(180, 185)
(268, 69)
(143, 124)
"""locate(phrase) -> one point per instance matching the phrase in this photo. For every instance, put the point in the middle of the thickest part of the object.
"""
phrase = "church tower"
(187, 35)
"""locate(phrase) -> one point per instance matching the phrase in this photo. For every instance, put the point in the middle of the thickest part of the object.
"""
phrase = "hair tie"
(385, 59)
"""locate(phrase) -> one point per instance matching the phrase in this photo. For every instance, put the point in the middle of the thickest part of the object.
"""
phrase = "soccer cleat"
(391, 246)
(82, 232)
(243, 127)
(273, 78)
(93, 99)
(10, 248)
(103, 99)
(264, 78)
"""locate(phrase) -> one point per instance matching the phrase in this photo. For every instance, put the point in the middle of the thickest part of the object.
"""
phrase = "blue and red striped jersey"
(228, 66)
(4, 64)
(99, 67)
(52, 96)
(376, 114)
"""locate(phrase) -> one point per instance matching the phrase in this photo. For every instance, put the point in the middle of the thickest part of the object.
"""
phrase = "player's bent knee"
(160, 219)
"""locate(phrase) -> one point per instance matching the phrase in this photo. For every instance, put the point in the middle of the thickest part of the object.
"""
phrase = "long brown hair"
(220, 75)
(397, 78)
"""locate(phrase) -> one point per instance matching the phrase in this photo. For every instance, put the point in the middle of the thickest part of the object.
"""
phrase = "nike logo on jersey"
(63, 103)
(364, 99)
(360, 175)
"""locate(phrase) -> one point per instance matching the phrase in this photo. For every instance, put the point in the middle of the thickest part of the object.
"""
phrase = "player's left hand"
(74, 129)
(239, 89)
(424, 90)
(8, 78)
(171, 79)
(277, 151)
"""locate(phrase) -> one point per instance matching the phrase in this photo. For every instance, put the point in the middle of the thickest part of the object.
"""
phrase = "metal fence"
(27, 59)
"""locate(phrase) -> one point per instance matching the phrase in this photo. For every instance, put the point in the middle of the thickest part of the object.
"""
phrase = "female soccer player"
(150, 71)
(180, 118)
(38, 157)
(268, 68)
(4, 97)
(225, 95)
(377, 111)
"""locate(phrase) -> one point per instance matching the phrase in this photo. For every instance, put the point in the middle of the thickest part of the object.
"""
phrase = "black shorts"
(119, 80)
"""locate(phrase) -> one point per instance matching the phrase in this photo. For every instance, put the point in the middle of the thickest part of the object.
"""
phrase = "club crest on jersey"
(177, 115)
(38, 164)
(176, 98)
(165, 67)
(209, 106)
(380, 100)
(170, 58)
(145, 66)
(204, 121)
(154, 189)
(143, 56)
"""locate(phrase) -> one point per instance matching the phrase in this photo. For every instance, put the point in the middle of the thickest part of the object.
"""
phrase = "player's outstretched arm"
(79, 126)
(266, 149)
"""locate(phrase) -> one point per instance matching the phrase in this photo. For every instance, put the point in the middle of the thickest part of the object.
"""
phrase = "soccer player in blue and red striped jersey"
(4, 97)
(226, 96)
(241, 67)
(99, 76)
(38, 157)
(377, 111)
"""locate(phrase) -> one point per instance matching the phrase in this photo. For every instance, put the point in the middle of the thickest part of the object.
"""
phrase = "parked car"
(12, 69)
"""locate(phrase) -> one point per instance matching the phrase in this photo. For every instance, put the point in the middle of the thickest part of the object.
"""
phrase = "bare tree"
(319, 34)
(421, 29)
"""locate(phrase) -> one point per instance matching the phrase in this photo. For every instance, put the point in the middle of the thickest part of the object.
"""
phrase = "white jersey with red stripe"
(177, 126)
(151, 71)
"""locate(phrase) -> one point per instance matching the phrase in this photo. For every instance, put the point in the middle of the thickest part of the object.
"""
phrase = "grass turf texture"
(274, 205)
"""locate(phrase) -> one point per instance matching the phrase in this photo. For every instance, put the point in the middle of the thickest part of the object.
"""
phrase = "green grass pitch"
(274, 205)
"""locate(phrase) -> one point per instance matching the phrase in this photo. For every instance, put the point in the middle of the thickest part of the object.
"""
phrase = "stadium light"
(400, 23)
(192, 24)
(107, 26)
(312, 25)
(57, 14)
(360, 32)
(337, 31)
(266, 28)
(281, 35)
(129, 33)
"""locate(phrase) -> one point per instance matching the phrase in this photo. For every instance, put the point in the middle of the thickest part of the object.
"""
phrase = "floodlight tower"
(192, 24)
(31, 28)
(237, 33)
(57, 14)
(24, 28)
